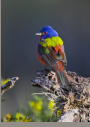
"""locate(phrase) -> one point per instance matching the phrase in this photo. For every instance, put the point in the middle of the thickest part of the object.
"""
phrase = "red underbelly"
(40, 58)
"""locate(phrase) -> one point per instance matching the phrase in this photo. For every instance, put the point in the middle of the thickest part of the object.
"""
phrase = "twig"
(9, 84)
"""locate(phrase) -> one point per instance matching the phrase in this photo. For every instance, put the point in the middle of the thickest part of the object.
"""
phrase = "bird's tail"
(61, 76)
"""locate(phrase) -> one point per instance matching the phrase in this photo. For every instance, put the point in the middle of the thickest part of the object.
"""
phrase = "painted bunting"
(50, 51)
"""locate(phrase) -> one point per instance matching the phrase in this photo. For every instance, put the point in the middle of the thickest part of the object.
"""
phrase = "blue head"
(47, 32)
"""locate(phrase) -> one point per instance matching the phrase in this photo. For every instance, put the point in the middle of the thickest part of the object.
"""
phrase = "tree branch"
(9, 84)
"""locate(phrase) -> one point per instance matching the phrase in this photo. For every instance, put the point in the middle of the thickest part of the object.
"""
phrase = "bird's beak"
(38, 34)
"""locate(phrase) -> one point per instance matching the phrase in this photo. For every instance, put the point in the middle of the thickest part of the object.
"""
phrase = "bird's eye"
(45, 33)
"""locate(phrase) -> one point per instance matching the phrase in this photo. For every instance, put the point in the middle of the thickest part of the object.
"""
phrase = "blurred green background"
(20, 20)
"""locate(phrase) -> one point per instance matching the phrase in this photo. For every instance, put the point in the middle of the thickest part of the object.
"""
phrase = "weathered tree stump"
(73, 99)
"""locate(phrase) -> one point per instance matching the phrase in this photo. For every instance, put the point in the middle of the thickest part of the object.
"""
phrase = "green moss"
(53, 41)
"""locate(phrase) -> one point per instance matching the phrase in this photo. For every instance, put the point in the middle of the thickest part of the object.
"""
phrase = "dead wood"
(73, 99)
(9, 84)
